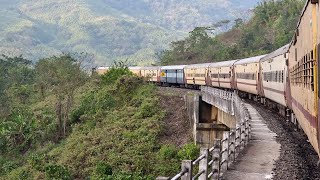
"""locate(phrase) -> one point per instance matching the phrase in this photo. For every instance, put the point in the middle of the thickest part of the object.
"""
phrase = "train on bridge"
(286, 79)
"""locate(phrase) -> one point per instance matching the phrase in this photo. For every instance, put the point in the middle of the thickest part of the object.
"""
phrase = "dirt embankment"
(178, 130)
(297, 158)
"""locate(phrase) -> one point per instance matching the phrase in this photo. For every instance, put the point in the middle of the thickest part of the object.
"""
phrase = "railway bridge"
(234, 139)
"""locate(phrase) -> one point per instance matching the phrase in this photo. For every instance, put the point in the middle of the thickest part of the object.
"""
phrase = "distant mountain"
(109, 29)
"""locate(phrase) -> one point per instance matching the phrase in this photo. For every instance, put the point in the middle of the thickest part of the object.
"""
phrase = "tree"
(16, 78)
(60, 76)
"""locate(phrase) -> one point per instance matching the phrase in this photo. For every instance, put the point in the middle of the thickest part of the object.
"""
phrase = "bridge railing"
(218, 98)
(213, 162)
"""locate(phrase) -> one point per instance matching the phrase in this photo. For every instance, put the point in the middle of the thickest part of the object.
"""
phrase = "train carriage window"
(302, 73)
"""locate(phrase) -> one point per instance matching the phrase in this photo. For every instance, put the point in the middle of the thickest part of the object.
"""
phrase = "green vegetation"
(61, 123)
(271, 27)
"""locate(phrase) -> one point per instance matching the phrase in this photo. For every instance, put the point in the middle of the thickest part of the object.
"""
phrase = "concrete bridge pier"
(208, 122)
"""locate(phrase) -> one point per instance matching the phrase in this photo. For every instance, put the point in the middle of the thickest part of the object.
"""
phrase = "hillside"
(271, 27)
(56, 122)
(108, 29)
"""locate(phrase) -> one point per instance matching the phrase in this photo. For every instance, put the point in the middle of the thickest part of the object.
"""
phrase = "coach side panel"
(302, 55)
(273, 76)
(246, 77)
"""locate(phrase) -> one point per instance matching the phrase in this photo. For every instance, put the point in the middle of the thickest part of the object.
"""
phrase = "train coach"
(303, 60)
(151, 73)
(274, 79)
(247, 72)
(196, 75)
(136, 70)
(221, 74)
(172, 75)
(102, 70)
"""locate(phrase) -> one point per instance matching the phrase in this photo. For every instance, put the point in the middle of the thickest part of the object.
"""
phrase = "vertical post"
(247, 131)
(225, 150)
(186, 166)
(232, 143)
(203, 164)
(216, 159)
(242, 136)
(237, 140)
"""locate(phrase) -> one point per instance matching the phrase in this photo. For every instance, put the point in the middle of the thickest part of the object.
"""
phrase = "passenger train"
(286, 79)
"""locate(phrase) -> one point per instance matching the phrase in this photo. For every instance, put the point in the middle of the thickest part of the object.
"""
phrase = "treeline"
(271, 27)
(36, 100)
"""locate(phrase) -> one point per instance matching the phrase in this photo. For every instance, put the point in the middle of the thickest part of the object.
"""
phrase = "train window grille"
(224, 76)
(274, 76)
(302, 73)
(199, 75)
(249, 76)
(214, 75)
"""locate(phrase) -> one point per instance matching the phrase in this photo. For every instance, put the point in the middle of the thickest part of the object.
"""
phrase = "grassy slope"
(117, 128)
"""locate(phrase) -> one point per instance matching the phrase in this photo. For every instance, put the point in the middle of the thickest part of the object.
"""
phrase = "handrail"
(180, 174)
(214, 161)
(198, 160)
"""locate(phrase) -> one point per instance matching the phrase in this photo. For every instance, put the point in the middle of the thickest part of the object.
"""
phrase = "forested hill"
(109, 29)
(272, 26)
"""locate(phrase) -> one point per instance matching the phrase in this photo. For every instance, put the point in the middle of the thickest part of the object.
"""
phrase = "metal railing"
(215, 161)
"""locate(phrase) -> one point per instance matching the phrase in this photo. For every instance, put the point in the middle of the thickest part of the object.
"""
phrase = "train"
(286, 79)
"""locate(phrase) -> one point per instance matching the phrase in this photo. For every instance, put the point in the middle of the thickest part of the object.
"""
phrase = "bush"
(113, 74)
(189, 152)
(147, 109)
(37, 162)
(103, 170)
(167, 152)
(20, 173)
(8, 166)
(57, 172)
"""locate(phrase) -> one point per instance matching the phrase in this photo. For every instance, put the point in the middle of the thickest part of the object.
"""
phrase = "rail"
(213, 162)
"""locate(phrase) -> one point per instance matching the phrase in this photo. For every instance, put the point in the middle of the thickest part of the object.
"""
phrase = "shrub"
(114, 74)
(167, 152)
(189, 152)
(37, 162)
(21, 173)
(57, 172)
(103, 169)
(8, 166)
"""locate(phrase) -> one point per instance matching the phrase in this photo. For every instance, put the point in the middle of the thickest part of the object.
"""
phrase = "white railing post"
(237, 140)
(242, 136)
(203, 164)
(187, 167)
(216, 159)
(232, 147)
(224, 152)
(247, 131)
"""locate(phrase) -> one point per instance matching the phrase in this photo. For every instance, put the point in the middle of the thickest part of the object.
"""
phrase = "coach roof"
(276, 53)
(203, 65)
(223, 64)
(249, 60)
(173, 67)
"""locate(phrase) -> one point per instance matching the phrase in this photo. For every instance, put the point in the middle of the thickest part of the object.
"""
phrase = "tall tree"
(60, 76)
